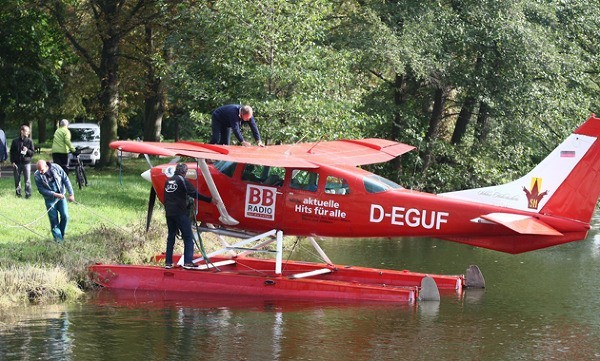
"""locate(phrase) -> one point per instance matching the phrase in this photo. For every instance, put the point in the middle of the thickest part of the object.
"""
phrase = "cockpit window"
(376, 184)
(226, 167)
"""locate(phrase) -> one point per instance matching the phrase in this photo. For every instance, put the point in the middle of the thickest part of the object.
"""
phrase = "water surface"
(540, 305)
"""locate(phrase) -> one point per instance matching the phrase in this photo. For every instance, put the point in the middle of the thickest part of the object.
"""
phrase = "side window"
(336, 185)
(270, 176)
(304, 179)
(226, 167)
(251, 173)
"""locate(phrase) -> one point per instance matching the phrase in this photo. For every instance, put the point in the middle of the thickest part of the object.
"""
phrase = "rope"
(88, 209)
(26, 226)
(32, 222)
(21, 226)
(200, 245)
(264, 273)
(290, 254)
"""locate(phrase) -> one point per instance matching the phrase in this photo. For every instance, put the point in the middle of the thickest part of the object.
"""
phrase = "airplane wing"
(254, 155)
(303, 155)
(349, 152)
(522, 224)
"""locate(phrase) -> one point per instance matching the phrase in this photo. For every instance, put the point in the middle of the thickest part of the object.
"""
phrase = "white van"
(87, 136)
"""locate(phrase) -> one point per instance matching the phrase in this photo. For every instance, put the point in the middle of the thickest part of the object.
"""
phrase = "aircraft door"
(263, 199)
(302, 192)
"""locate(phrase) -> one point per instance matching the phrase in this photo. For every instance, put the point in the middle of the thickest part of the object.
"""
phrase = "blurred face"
(25, 131)
(246, 117)
(42, 167)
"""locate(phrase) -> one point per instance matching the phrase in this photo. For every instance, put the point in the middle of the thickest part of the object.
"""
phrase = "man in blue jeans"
(53, 184)
(177, 191)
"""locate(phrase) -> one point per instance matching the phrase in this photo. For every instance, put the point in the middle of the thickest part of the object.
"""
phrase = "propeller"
(151, 202)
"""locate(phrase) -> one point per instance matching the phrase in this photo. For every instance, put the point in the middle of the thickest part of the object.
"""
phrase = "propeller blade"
(151, 202)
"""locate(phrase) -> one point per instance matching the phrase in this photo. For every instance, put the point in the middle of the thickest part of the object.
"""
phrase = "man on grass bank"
(53, 183)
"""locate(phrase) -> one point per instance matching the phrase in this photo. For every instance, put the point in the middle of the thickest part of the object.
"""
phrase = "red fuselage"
(363, 209)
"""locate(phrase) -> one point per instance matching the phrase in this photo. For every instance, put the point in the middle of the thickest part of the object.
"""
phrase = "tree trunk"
(464, 117)
(155, 99)
(462, 122)
(482, 129)
(109, 98)
(399, 99)
(434, 127)
(436, 115)
(41, 130)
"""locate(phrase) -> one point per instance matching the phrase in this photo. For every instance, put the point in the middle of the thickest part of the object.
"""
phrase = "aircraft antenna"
(287, 152)
(316, 143)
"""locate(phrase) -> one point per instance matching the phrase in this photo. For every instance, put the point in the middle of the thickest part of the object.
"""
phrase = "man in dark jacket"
(177, 190)
(21, 151)
(230, 118)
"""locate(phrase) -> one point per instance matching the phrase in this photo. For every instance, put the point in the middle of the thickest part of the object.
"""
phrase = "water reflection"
(41, 331)
(130, 325)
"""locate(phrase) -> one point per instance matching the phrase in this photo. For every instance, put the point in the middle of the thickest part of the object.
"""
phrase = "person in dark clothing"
(177, 190)
(21, 151)
(231, 117)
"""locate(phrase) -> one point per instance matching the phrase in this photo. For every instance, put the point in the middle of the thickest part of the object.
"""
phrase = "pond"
(541, 305)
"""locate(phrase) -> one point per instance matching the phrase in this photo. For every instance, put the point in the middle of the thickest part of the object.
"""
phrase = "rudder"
(577, 196)
(566, 183)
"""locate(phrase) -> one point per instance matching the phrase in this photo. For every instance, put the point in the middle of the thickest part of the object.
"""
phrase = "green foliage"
(511, 55)
(273, 56)
(326, 70)
(32, 55)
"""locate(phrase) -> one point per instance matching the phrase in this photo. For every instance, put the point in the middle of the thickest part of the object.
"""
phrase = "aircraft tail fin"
(565, 184)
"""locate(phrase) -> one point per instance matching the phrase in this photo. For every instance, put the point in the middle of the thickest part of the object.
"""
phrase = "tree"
(30, 63)
(110, 21)
(270, 54)
(441, 64)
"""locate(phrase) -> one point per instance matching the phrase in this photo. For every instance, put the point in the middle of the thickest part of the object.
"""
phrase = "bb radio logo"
(260, 202)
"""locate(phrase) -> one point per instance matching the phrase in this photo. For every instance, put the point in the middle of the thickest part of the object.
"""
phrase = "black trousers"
(61, 159)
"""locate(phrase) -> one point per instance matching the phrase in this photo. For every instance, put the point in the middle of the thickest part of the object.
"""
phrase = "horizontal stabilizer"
(522, 224)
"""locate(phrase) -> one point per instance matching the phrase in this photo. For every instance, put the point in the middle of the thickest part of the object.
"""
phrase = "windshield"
(225, 166)
(376, 184)
(84, 135)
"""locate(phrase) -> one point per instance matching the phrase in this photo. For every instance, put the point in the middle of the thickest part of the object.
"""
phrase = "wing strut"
(225, 217)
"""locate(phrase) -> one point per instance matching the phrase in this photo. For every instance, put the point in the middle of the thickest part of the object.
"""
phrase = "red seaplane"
(317, 190)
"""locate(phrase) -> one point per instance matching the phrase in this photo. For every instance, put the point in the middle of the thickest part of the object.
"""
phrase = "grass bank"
(106, 225)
